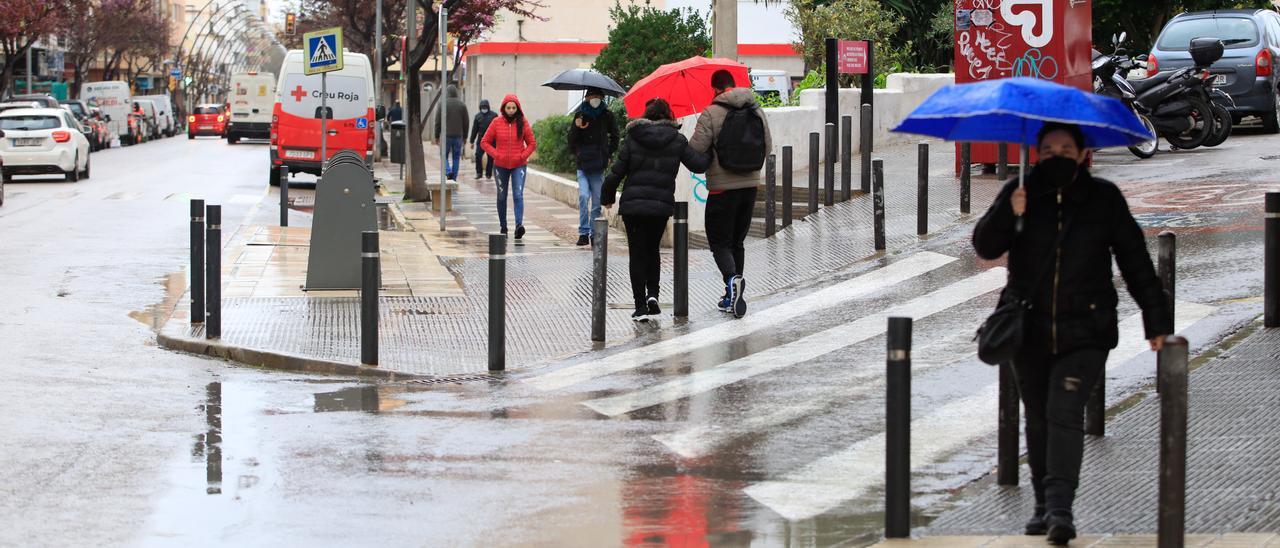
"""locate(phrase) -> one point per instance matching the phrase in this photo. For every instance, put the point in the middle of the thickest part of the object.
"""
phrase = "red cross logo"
(298, 94)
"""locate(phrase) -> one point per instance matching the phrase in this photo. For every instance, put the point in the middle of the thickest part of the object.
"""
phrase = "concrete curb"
(275, 360)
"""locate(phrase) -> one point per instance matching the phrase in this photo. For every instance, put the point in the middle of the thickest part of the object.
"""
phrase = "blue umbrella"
(1011, 110)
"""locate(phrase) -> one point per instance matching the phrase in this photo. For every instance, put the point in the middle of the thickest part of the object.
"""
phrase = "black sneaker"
(640, 315)
(583, 239)
(652, 305)
(739, 304)
(1061, 529)
(1036, 526)
(503, 231)
(519, 231)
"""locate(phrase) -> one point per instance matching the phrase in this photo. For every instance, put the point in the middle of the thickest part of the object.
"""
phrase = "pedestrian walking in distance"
(455, 131)
(478, 127)
(647, 163)
(509, 140)
(395, 113)
(593, 137)
(1060, 264)
(735, 131)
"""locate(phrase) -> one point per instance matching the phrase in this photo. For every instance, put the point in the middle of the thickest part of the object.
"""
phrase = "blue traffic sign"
(175, 73)
(323, 52)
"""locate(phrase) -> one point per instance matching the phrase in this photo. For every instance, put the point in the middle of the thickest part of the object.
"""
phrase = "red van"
(295, 120)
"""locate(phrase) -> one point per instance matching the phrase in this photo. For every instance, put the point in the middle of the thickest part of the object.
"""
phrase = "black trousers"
(644, 235)
(485, 161)
(728, 219)
(1054, 389)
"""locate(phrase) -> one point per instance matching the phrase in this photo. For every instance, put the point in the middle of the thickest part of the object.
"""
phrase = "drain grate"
(455, 379)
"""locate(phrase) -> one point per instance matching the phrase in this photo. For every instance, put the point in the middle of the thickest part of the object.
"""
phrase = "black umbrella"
(581, 79)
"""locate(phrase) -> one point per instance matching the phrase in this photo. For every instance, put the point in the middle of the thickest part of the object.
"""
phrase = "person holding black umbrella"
(1060, 253)
(593, 138)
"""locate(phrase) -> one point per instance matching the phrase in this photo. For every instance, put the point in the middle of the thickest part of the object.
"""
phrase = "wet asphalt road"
(748, 439)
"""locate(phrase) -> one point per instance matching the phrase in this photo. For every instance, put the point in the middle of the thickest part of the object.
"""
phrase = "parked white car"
(43, 141)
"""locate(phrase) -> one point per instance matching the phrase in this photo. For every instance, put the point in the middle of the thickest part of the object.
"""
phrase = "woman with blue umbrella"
(1060, 227)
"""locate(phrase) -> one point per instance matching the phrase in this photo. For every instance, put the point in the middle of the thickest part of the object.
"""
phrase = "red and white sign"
(853, 56)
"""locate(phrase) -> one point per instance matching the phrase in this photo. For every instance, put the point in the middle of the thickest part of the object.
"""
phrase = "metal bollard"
(864, 146)
(1173, 443)
(1002, 161)
(680, 290)
(1271, 264)
(786, 186)
(966, 176)
(829, 165)
(813, 172)
(770, 196)
(878, 201)
(284, 195)
(897, 465)
(922, 189)
(497, 302)
(1166, 269)
(197, 261)
(599, 277)
(846, 158)
(213, 272)
(1007, 428)
(370, 265)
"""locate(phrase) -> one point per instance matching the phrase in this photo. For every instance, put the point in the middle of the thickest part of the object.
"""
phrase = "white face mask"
(595, 103)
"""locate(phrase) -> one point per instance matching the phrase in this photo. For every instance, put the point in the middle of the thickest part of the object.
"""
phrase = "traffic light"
(290, 23)
(173, 83)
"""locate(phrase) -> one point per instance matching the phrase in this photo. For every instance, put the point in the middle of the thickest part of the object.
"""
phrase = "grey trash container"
(398, 130)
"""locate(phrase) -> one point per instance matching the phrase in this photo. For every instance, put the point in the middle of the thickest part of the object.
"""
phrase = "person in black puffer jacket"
(1072, 324)
(649, 160)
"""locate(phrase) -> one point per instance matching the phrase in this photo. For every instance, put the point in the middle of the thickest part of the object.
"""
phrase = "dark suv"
(1247, 69)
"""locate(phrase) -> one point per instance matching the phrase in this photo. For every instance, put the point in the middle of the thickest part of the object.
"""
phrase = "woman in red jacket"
(509, 141)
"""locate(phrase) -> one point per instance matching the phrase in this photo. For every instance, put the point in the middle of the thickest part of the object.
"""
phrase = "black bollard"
(197, 261)
(966, 175)
(813, 172)
(897, 432)
(284, 195)
(846, 158)
(829, 165)
(599, 277)
(1271, 264)
(786, 186)
(770, 196)
(1002, 161)
(370, 264)
(864, 146)
(681, 275)
(213, 272)
(922, 189)
(1166, 269)
(497, 302)
(877, 183)
(1007, 428)
(1173, 443)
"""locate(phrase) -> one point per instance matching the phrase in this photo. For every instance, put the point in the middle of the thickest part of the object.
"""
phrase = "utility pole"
(377, 78)
(724, 30)
(409, 116)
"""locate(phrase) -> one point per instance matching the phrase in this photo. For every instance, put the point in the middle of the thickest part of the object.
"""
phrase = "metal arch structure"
(216, 28)
(217, 53)
(235, 42)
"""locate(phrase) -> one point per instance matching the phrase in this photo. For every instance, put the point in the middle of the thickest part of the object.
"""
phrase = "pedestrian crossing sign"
(323, 50)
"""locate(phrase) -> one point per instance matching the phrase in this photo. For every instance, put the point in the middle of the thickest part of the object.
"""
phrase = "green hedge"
(552, 133)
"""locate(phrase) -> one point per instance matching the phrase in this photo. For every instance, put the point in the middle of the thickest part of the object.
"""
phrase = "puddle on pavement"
(155, 316)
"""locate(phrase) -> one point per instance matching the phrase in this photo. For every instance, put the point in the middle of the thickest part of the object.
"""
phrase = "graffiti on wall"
(985, 38)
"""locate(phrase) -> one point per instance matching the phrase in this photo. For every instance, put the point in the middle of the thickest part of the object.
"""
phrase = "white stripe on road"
(801, 350)
(865, 284)
(848, 474)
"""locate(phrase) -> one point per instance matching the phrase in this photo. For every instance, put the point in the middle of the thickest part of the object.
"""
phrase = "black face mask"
(1057, 171)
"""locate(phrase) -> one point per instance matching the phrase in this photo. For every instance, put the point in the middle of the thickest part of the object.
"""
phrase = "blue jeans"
(510, 179)
(589, 185)
(453, 155)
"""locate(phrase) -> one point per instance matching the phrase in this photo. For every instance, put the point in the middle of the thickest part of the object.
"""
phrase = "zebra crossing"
(826, 481)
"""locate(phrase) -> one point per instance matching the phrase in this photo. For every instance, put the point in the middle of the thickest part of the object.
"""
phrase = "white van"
(165, 116)
(772, 82)
(113, 98)
(252, 96)
(296, 115)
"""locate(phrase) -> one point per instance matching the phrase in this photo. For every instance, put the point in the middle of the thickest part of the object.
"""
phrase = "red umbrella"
(686, 85)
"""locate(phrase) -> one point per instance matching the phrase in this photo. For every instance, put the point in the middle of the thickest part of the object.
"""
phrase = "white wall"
(757, 23)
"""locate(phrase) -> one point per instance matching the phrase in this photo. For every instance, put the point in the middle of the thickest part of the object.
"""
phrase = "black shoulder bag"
(1000, 336)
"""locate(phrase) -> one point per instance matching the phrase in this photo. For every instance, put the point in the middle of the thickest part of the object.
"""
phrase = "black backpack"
(740, 144)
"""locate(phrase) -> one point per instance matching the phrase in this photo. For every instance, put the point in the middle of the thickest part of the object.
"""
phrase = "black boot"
(1061, 528)
(1036, 525)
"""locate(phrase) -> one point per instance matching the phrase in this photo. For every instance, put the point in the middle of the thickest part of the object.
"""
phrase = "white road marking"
(801, 350)
(851, 472)
(865, 284)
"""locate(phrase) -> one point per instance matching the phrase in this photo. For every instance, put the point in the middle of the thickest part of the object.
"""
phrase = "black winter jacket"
(592, 147)
(1074, 306)
(480, 123)
(649, 161)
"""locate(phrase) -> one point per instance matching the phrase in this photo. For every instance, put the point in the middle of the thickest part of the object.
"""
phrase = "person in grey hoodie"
(731, 191)
(455, 130)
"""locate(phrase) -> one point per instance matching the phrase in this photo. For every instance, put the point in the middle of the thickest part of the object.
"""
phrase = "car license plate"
(304, 154)
(1220, 80)
(28, 141)
(206, 127)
